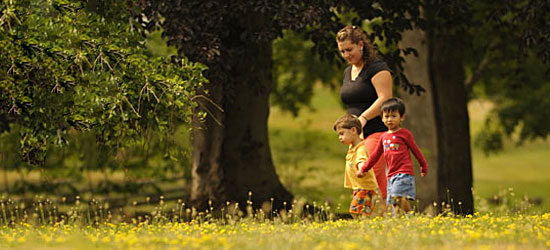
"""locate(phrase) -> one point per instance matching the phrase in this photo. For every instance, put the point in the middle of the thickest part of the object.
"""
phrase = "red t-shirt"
(395, 147)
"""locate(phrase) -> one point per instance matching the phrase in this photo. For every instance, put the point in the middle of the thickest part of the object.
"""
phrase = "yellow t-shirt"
(355, 155)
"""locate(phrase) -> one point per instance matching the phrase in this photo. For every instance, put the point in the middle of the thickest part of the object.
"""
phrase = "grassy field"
(416, 232)
(309, 161)
(309, 158)
(522, 170)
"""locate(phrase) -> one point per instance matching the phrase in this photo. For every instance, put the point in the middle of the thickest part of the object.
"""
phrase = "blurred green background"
(309, 158)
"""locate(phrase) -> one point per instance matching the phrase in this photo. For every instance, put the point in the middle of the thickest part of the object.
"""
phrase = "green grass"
(310, 160)
(416, 232)
(523, 169)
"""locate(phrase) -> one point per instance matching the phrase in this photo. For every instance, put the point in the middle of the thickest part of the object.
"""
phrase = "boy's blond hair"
(348, 121)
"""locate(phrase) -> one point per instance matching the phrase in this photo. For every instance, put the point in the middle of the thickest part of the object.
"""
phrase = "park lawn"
(481, 231)
(523, 170)
(310, 160)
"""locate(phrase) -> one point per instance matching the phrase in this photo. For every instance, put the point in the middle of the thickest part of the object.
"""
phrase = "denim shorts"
(400, 185)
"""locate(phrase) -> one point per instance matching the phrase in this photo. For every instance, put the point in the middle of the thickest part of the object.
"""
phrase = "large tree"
(446, 24)
(234, 38)
(231, 148)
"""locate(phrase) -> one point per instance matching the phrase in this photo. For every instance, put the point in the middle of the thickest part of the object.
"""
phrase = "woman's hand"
(363, 121)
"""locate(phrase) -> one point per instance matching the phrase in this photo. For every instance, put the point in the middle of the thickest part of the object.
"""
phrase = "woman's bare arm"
(382, 83)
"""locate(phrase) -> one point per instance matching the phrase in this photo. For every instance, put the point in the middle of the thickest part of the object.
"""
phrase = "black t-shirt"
(360, 94)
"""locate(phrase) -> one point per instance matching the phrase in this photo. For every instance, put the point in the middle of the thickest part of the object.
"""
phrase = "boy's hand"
(359, 174)
(422, 174)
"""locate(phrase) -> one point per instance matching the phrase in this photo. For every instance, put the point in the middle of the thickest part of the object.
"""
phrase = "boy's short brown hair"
(348, 121)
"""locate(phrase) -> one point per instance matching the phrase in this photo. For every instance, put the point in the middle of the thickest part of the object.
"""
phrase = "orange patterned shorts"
(362, 203)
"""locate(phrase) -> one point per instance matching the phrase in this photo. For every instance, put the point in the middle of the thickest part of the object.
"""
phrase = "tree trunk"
(420, 112)
(439, 121)
(233, 158)
(454, 175)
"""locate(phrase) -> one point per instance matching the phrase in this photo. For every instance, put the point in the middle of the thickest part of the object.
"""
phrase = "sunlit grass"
(310, 162)
(306, 224)
(481, 231)
(523, 168)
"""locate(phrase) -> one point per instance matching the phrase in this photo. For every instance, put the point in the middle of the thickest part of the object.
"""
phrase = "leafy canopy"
(216, 32)
(67, 66)
(509, 61)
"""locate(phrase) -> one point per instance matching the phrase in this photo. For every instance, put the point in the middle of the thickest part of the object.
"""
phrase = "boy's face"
(347, 136)
(392, 119)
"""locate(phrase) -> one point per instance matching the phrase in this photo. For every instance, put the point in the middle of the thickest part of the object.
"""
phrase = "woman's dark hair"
(356, 34)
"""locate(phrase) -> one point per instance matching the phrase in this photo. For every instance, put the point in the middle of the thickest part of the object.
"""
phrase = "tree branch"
(476, 75)
(480, 70)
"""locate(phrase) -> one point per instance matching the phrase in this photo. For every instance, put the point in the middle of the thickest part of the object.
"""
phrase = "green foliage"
(297, 68)
(295, 71)
(65, 69)
(158, 46)
(217, 36)
(386, 20)
(508, 64)
(9, 147)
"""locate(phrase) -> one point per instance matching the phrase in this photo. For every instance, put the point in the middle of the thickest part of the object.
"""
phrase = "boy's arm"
(361, 157)
(416, 152)
(366, 166)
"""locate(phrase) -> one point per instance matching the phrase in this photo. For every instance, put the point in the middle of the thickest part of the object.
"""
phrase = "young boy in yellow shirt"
(348, 128)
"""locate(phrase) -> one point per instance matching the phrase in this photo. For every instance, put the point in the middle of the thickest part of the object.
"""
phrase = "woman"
(367, 83)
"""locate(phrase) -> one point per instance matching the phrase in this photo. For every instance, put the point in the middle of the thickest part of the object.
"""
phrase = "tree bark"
(233, 158)
(420, 112)
(439, 121)
(454, 175)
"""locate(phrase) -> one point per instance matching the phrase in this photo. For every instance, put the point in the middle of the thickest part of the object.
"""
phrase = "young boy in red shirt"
(395, 145)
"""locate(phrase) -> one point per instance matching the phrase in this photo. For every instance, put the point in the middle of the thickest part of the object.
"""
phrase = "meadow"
(415, 232)
(309, 159)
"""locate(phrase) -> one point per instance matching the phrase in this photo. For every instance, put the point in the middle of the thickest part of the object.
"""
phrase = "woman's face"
(351, 52)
